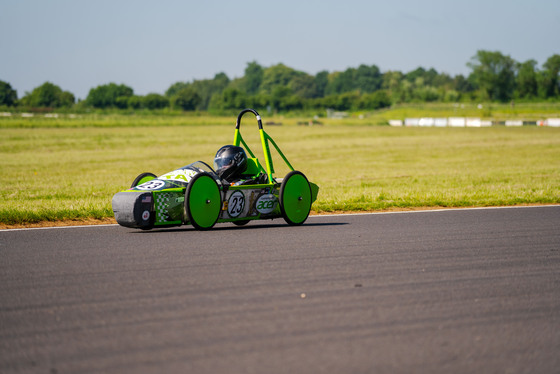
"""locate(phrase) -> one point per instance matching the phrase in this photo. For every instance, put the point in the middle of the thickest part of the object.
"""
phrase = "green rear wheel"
(295, 198)
(143, 178)
(203, 201)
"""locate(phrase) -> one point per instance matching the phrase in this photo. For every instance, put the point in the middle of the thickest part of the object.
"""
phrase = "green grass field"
(68, 169)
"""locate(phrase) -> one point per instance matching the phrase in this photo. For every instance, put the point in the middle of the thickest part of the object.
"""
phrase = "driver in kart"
(230, 163)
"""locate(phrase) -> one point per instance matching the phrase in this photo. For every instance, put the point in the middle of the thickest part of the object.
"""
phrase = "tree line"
(493, 77)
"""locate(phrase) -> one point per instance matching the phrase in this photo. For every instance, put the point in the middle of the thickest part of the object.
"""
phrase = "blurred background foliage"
(494, 77)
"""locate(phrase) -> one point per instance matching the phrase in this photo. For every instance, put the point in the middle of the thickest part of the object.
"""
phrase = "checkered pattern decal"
(169, 207)
(161, 205)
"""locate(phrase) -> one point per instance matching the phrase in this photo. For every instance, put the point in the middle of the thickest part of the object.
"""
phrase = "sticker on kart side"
(154, 184)
(266, 203)
(168, 207)
(180, 175)
(252, 206)
(236, 204)
(146, 215)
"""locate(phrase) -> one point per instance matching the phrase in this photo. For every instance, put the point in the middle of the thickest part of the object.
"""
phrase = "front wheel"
(143, 178)
(295, 198)
(203, 201)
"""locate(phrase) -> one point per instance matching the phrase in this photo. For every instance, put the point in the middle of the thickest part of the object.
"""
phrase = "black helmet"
(230, 162)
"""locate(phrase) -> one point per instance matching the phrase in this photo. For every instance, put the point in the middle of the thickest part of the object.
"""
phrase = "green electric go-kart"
(200, 196)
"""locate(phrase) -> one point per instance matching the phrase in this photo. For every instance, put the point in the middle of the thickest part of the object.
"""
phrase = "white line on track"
(57, 227)
(435, 210)
(319, 216)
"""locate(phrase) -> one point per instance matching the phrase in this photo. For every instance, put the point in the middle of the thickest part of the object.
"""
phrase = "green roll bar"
(265, 139)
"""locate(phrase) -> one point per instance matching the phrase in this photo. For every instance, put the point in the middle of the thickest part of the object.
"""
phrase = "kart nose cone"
(134, 209)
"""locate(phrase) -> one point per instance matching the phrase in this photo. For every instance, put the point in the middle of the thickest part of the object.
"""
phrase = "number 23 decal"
(236, 203)
(151, 185)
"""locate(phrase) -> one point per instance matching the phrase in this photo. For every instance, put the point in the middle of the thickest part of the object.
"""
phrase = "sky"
(149, 45)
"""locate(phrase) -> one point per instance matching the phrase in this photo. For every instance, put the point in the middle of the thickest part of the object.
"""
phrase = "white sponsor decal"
(266, 203)
(181, 175)
(146, 215)
(154, 184)
(236, 204)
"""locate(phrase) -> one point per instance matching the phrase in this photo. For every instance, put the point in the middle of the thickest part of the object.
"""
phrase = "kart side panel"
(169, 207)
(240, 203)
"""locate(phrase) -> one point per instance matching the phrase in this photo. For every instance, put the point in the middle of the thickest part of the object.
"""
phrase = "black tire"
(203, 201)
(241, 223)
(142, 178)
(295, 198)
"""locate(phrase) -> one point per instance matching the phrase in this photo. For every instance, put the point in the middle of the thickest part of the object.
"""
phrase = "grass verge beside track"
(70, 172)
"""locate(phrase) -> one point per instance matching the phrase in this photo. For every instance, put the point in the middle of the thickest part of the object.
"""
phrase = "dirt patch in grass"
(81, 222)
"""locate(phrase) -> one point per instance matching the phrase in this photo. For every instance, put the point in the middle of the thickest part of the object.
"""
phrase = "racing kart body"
(196, 195)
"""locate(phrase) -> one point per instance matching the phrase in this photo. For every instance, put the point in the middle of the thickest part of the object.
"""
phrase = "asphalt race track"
(456, 291)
